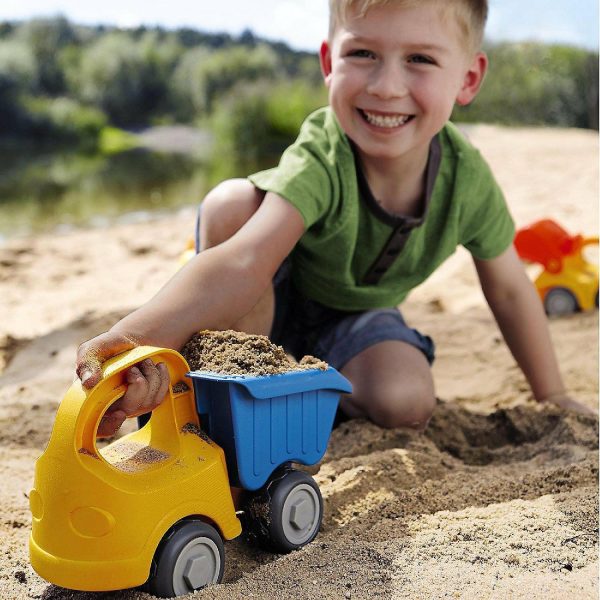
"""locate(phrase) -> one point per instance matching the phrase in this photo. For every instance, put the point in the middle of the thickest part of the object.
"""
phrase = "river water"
(43, 190)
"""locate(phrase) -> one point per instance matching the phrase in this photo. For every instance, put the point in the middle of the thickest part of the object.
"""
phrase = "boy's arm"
(212, 291)
(223, 283)
(521, 318)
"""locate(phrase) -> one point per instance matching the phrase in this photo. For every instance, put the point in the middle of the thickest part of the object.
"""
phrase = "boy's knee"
(413, 409)
(226, 208)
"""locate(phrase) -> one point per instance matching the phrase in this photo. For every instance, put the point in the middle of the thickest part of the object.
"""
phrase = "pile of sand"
(497, 499)
(234, 353)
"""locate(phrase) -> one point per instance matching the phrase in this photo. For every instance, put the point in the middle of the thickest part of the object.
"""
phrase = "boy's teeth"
(385, 120)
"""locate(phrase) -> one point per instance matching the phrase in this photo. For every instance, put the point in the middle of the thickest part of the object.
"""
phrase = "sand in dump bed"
(234, 353)
(496, 500)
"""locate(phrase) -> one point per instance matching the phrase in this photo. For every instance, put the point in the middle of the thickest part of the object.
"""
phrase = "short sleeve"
(488, 228)
(304, 175)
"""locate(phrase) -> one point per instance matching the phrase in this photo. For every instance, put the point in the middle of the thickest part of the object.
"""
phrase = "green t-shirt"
(344, 236)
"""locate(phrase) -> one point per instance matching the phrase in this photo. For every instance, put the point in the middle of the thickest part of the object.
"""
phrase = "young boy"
(377, 192)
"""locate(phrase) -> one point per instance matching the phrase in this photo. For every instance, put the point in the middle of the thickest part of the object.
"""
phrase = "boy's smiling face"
(395, 74)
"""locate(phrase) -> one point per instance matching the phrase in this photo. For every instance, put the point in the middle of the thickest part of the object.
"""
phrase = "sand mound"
(235, 353)
(498, 498)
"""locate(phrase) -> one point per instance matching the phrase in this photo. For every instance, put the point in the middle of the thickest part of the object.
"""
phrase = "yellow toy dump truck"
(154, 507)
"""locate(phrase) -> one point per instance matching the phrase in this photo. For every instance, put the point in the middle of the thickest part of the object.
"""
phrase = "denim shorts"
(303, 326)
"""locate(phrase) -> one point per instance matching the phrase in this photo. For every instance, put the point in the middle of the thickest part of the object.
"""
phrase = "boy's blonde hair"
(470, 14)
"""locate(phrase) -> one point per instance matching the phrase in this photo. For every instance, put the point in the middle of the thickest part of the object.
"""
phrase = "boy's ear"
(473, 79)
(325, 60)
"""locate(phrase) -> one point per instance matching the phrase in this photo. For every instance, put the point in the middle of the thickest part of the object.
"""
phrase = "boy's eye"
(420, 59)
(362, 53)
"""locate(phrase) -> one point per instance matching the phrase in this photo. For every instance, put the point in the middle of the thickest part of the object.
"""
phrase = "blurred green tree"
(126, 78)
(186, 89)
(257, 121)
(46, 38)
(536, 84)
(204, 79)
(18, 72)
(18, 67)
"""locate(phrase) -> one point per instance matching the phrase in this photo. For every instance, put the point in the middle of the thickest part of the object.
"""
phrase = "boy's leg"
(392, 385)
(387, 362)
(224, 211)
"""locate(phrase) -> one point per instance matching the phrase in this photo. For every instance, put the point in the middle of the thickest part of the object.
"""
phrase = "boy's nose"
(387, 81)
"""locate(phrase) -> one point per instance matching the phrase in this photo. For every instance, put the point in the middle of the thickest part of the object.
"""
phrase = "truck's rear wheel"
(189, 557)
(288, 514)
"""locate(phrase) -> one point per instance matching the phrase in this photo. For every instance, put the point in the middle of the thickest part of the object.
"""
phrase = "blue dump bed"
(264, 421)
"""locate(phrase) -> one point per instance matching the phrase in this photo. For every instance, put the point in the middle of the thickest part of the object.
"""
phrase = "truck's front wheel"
(189, 557)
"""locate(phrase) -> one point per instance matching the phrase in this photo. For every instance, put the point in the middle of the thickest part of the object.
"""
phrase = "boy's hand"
(147, 385)
(91, 354)
(565, 401)
(147, 382)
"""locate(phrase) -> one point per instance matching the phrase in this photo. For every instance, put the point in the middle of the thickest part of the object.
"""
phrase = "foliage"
(186, 89)
(74, 120)
(17, 72)
(114, 140)
(257, 122)
(18, 66)
(45, 38)
(126, 78)
(209, 77)
(535, 84)
(129, 78)
(56, 120)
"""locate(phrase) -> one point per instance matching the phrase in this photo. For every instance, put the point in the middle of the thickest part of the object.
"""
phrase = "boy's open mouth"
(387, 121)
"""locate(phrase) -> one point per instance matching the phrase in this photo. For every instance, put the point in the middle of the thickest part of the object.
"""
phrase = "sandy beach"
(497, 499)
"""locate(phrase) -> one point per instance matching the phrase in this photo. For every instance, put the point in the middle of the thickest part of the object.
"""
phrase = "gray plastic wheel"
(286, 513)
(300, 514)
(190, 556)
(295, 511)
(560, 301)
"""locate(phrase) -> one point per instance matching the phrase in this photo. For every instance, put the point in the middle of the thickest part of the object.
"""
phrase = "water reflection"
(45, 189)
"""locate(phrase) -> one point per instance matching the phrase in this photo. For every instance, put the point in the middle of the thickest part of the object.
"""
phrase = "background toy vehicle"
(154, 506)
(568, 282)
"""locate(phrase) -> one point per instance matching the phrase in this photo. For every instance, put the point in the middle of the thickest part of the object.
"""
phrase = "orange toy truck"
(568, 283)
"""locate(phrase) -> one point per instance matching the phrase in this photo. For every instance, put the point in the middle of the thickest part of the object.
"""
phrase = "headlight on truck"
(36, 504)
(90, 521)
